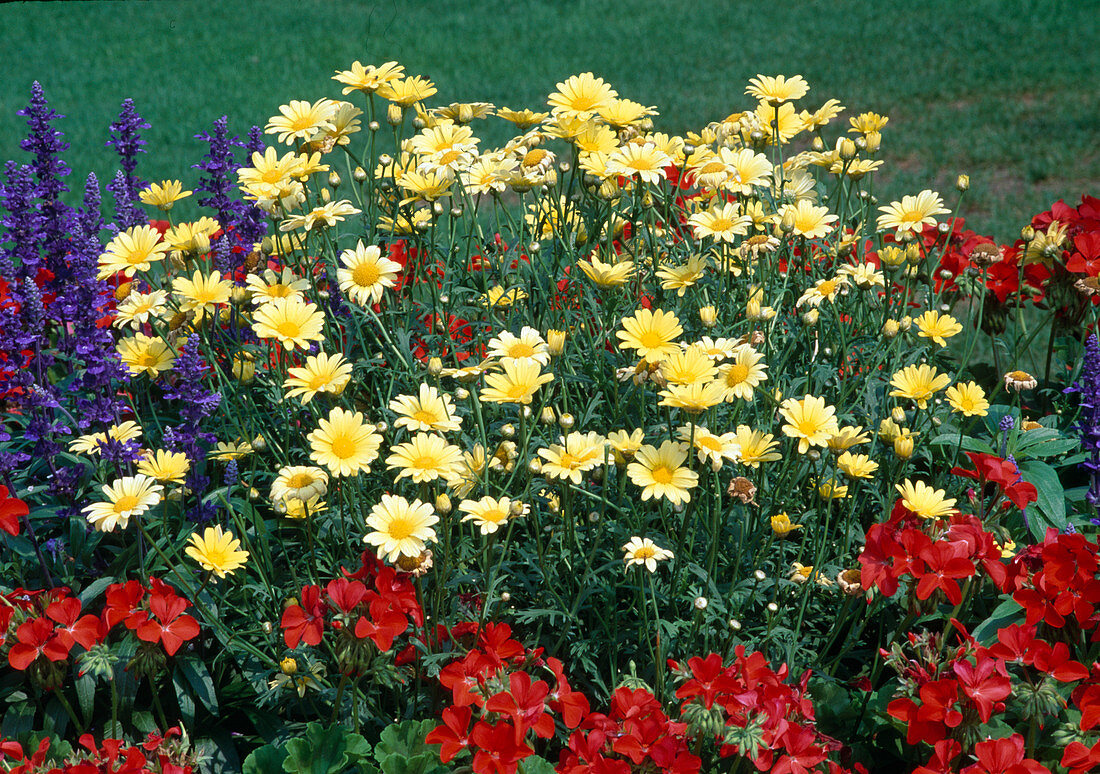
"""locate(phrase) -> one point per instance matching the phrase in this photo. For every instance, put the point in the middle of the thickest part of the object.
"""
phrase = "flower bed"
(345, 473)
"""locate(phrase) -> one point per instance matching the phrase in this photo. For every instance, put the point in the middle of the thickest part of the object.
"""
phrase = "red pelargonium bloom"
(497, 749)
(86, 630)
(168, 625)
(383, 625)
(1085, 258)
(36, 638)
(571, 705)
(453, 735)
(709, 679)
(305, 622)
(1003, 756)
(931, 720)
(945, 563)
(122, 604)
(986, 684)
(1079, 759)
(1005, 474)
(11, 510)
(525, 703)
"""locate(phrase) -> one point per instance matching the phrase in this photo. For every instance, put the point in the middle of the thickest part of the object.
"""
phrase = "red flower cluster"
(903, 548)
(1056, 580)
(156, 755)
(11, 510)
(379, 614)
(45, 625)
(1005, 478)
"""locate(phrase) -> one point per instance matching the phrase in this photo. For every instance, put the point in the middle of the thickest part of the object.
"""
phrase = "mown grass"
(988, 88)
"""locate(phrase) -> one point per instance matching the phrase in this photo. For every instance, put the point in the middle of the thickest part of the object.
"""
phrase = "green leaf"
(94, 589)
(424, 763)
(1006, 613)
(183, 696)
(196, 673)
(405, 739)
(535, 765)
(1050, 510)
(85, 694)
(265, 760)
(324, 751)
(967, 443)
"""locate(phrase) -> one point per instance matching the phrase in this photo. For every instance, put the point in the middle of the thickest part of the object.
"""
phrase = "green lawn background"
(1005, 91)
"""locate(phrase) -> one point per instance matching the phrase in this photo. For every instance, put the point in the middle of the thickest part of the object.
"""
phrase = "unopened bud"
(443, 504)
(555, 342)
(395, 114)
(847, 149)
(708, 315)
(334, 180)
(435, 366)
(962, 183)
(566, 421)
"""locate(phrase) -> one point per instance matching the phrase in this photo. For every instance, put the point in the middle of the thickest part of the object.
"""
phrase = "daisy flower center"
(521, 349)
(126, 503)
(425, 416)
(289, 329)
(366, 274)
(738, 373)
(343, 447)
(645, 552)
(662, 475)
(146, 360)
(300, 480)
(401, 528)
(651, 339)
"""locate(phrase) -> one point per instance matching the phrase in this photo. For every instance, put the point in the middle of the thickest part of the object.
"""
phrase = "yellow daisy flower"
(693, 398)
(139, 308)
(164, 466)
(644, 553)
(680, 278)
(202, 293)
(809, 420)
(722, 223)
(425, 457)
(489, 514)
(164, 194)
(661, 472)
(918, 383)
(366, 273)
(321, 373)
(406, 91)
(89, 444)
(578, 453)
(778, 89)
(517, 384)
(581, 96)
(925, 501)
(607, 275)
(131, 251)
(912, 213)
(652, 333)
(782, 526)
(300, 119)
(344, 443)
(142, 354)
(756, 446)
(368, 79)
(400, 528)
(856, 465)
(427, 410)
(126, 497)
(744, 373)
(807, 219)
(968, 399)
(217, 551)
(528, 345)
(709, 447)
(299, 482)
(290, 321)
(271, 285)
(936, 326)
(689, 366)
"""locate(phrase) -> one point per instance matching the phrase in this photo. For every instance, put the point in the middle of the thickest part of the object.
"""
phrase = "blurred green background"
(1004, 91)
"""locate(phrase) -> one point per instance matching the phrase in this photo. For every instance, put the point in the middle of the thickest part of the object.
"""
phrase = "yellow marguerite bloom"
(644, 553)
(406, 91)
(621, 113)
(142, 354)
(271, 285)
(322, 216)
(126, 497)
(524, 119)
(782, 526)
(498, 297)
(912, 213)
(344, 443)
(138, 308)
(652, 333)
(489, 514)
(968, 399)
(581, 96)
(823, 290)
(368, 79)
(366, 273)
(847, 437)
(192, 236)
(202, 293)
(299, 482)
(321, 373)
(925, 501)
(127, 431)
(301, 119)
(709, 447)
(866, 123)
(131, 251)
(217, 551)
(938, 327)
(680, 278)
(919, 383)
(831, 490)
(742, 374)
(517, 384)
(756, 446)
(807, 219)
(607, 275)
(400, 528)
(624, 445)
(809, 420)
(164, 466)
(689, 366)
(856, 465)
(578, 453)
(643, 161)
(290, 321)
(164, 194)
(722, 223)
(528, 345)
(426, 457)
(427, 410)
(778, 89)
(224, 452)
(661, 472)
(693, 398)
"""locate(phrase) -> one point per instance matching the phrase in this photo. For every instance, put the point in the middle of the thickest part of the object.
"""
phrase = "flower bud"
(786, 225)
(555, 341)
(244, 367)
(810, 317)
(890, 329)
(508, 430)
(760, 576)
(566, 421)
(288, 666)
(548, 417)
(443, 504)
(847, 149)
(700, 603)
(381, 426)
(708, 315)
(773, 608)
(462, 393)
(123, 290)
(891, 256)
(395, 114)
(259, 443)
(435, 366)
(735, 624)
(912, 253)
(898, 414)
(1027, 233)
(962, 183)
(903, 446)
